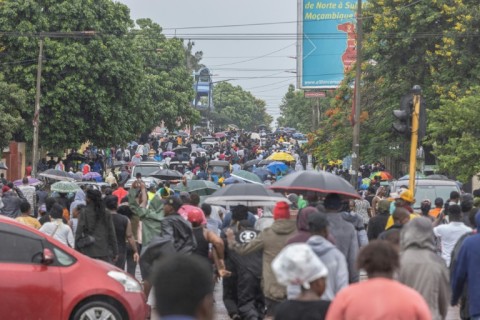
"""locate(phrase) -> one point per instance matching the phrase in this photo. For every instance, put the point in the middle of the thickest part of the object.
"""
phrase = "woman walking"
(56, 228)
(95, 235)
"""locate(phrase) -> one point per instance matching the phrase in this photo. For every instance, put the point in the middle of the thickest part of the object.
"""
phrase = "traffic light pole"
(414, 141)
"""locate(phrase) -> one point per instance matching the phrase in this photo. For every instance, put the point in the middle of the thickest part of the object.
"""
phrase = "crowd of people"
(312, 256)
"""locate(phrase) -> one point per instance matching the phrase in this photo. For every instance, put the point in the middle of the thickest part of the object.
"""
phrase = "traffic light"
(403, 116)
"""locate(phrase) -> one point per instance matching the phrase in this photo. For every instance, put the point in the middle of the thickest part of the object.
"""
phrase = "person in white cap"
(297, 264)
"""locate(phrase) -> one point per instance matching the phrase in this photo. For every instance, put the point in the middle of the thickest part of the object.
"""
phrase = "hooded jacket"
(271, 240)
(336, 264)
(346, 241)
(151, 217)
(467, 272)
(423, 270)
(79, 199)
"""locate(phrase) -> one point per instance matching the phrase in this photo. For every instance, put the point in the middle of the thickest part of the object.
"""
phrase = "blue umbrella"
(262, 173)
(277, 166)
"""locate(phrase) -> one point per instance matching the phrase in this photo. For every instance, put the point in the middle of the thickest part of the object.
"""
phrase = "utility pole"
(417, 91)
(36, 116)
(358, 76)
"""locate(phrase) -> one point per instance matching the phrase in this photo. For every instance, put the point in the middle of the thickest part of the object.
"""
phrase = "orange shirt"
(378, 299)
(434, 212)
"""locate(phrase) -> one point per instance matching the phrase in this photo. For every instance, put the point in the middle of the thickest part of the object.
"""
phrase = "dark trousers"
(131, 265)
(251, 303)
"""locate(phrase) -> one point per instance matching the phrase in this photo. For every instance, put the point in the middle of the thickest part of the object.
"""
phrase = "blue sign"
(328, 42)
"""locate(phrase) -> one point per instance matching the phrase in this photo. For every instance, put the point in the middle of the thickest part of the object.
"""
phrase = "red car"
(41, 278)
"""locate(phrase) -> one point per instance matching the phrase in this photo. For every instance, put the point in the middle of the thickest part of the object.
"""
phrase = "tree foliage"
(455, 135)
(167, 88)
(13, 100)
(106, 89)
(295, 111)
(237, 106)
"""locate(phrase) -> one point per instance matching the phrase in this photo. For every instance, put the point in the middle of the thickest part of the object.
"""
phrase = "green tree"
(167, 88)
(240, 107)
(295, 111)
(12, 101)
(455, 135)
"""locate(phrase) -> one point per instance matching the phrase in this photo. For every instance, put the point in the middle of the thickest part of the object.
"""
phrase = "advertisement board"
(326, 42)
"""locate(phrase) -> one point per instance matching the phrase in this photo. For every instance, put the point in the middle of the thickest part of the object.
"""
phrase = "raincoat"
(423, 270)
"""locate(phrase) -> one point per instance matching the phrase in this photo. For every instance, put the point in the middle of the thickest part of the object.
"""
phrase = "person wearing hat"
(376, 225)
(297, 264)
(271, 241)
(404, 200)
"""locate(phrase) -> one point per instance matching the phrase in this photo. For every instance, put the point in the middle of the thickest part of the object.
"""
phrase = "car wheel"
(94, 310)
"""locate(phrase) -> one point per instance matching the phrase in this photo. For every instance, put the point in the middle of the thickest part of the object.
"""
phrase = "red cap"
(5, 189)
(281, 211)
(196, 216)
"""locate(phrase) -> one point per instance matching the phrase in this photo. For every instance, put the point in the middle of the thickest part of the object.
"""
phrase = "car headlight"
(128, 283)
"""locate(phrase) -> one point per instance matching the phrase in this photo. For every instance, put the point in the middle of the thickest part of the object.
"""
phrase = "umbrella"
(76, 157)
(91, 175)
(281, 156)
(183, 134)
(56, 175)
(245, 194)
(200, 150)
(247, 176)
(276, 166)
(265, 162)
(168, 154)
(418, 175)
(232, 180)
(384, 175)
(255, 136)
(3, 166)
(31, 182)
(262, 173)
(167, 174)
(251, 163)
(65, 187)
(219, 135)
(134, 143)
(322, 182)
(201, 187)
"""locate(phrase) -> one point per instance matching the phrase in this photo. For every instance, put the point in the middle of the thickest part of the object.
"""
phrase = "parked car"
(429, 189)
(219, 166)
(41, 278)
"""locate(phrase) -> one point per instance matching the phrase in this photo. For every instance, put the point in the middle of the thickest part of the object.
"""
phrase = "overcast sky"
(268, 63)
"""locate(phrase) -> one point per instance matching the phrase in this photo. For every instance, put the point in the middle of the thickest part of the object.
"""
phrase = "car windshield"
(431, 193)
(145, 170)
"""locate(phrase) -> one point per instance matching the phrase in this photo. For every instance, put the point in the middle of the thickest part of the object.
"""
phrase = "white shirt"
(63, 233)
(449, 235)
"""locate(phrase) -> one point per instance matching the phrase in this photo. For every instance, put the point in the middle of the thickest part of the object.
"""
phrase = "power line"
(251, 59)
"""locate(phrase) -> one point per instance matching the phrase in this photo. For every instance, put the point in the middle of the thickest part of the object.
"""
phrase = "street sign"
(314, 94)
(327, 42)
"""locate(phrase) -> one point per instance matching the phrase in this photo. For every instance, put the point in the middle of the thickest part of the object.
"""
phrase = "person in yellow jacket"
(403, 200)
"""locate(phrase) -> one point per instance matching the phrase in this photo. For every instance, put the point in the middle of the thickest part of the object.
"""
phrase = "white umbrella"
(255, 136)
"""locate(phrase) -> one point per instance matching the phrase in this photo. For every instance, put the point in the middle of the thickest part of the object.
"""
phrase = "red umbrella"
(384, 175)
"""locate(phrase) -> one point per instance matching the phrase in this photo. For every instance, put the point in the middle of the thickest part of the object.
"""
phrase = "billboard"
(326, 42)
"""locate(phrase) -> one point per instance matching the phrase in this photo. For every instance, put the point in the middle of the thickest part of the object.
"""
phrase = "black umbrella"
(322, 182)
(245, 194)
(76, 157)
(167, 174)
(180, 148)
